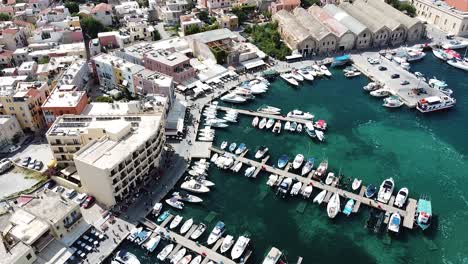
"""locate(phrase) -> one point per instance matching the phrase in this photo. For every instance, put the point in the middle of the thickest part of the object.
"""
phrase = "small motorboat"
(282, 161)
(178, 256)
(308, 166)
(186, 226)
(272, 180)
(134, 233)
(296, 188)
(348, 207)
(216, 233)
(277, 127)
(142, 237)
(186, 197)
(233, 98)
(386, 190)
(185, 260)
(152, 243)
(402, 196)
(320, 124)
(255, 121)
(157, 209)
(163, 216)
(307, 191)
(284, 186)
(194, 186)
(330, 178)
(372, 86)
(224, 145)
(242, 147)
(352, 74)
(214, 157)
(394, 223)
(356, 184)
(198, 231)
(250, 171)
(270, 123)
(228, 241)
(306, 74)
(392, 102)
(273, 256)
(325, 70)
(380, 93)
(370, 191)
(239, 247)
(293, 127)
(165, 252)
(262, 123)
(319, 198)
(175, 203)
(290, 79)
(125, 257)
(287, 126)
(262, 150)
(232, 147)
(333, 206)
(298, 160)
(176, 221)
(196, 260)
(296, 75)
(266, 109)
(300, 114)
(321, 169)
(320, 135)
(237, 167)
(299, 128)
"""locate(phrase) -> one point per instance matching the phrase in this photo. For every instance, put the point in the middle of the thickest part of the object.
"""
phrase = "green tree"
(44, 60)
(91, 27)
(204, 17)
(104, 99)
(409, 8)
(73, 7)
(192, 29)
(156, 35)
(267, 38)
(243, 12)
(309, 3)
(4, 17)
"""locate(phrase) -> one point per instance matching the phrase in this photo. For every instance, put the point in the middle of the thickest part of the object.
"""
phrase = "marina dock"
(405, 92)
(407, 214)
(261, 115)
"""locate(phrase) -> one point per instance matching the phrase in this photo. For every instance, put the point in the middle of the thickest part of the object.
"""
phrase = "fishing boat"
(233, 98)
(194, 186)
(277, 127)
(424, 213)
(272, 180)
(340, 60)
(287, 126)
(216, 233)
(242, 147)
(175, 203)
(255, 121)
(319, 198)
(310, 130)
(185, 260)
(157, 207)
(239, 247)
(435, 103)
(300, 114)
(293, 127)
(308, 166)
(401, 197)
(325, 70)
(461, 64)
(270, 123)
(250, 171)
(178, 256)
(330, 178)
(320, 135)
(386, 190)
(299, 128)
(262, 123)
(262, 150)
(380, 93)
(307, 191)
(298, 160)
(356, 184)
(196, 260)
(176, 221)
(186, 226)
(125, 257)
(228, 241)
(224, 145)
(320, 124)
(296, 75)
(237, 167)
(269, 110)
(370, 191)
(333, 206)
(394, 223)
(283, 187)
(273, 256)
(392, 102)
(348, 207)
(306, 74)
(296, 188)
(282, 161)
(198, 231)
(134, 233)
(152, 243)
(165, 252)
(288, 78)
(163, 216)
(321, 169)
(455, 44)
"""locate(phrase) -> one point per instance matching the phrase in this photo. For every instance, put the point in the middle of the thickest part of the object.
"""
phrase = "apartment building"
(65, 99)
(451, 17)
(76, 74)
(103, 13)
(171, 11)
(150, 82)
(112, 146)
(9, 128)
(24, 101)
(171, 63)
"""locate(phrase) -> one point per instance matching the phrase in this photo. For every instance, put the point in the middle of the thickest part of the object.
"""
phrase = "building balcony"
(72, 220)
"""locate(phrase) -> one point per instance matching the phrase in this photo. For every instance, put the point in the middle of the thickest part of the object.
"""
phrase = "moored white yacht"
(227, 243)
(298, 160)
(386, 190)
(239, 247)
(401, 197)
(233, 98)
(306, 74)
(290, 79)
(300, 114)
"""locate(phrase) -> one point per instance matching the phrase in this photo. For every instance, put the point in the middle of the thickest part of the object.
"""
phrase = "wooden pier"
(407, 214)
(261, 115)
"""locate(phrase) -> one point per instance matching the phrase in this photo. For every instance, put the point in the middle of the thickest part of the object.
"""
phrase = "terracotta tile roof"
(22, 23)
(6, 54)
(10, 31)
(6, 9)
(11, 2)
(102, 7)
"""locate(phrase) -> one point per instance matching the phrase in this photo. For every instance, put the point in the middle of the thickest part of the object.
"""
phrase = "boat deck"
(254, 113)
(407, 213)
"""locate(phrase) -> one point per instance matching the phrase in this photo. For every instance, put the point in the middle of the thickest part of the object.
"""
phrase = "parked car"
(5, 164)
(70, 194)
(38, 165)
(88, 202)
(25, 161)
(60, 189)
(50, 184)
(405, 82)
(395, 76)
(450, 36)
(382, 68)
(80, 198)
(14, 148)
(32, 163)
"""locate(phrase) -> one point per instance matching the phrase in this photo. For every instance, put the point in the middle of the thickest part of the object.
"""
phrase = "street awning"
(250, 64)
(294, 56)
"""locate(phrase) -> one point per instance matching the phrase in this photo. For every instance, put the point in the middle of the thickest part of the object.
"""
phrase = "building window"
(28, 256)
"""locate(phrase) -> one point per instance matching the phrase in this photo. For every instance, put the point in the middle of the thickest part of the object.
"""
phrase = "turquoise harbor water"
(426, 153)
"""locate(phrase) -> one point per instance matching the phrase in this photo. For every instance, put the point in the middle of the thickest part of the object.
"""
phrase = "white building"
(137, 30)
(76, 74)
(103, 13)
(171, 11)
(28, 68)
(443, 16)
(127, 8)
(9, 128)
(215, 4)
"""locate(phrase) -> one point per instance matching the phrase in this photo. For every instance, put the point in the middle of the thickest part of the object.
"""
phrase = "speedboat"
(277, 127)
(214, 157)
(249, 171)
(356, 184)
(216, 233)
(186, 226)
(310, 130)
(392, 102)
(282, 161)
(352, 74)
(401, 197)
(455, 44)
(284, 186)
(330, 178)
(204, 181)
(370, 191)
(228, 241)
(440, 54)
(272, 179)
(262, 123)
(290, 79)
(273, 256)
(299, 128)
(262, 150)
(152, 243)
(134, 233)
(194, 186)
(185, 260)
(293, 127)
(296, 75)
(298, 160)
(296, 188)
(308, 166)
(321, 169)
(424, 213)
(176, 221)
(165, 252)
(320, 124)
(196, 260)
(325, 70)
(307, 191)
(386, 190)
(237, 167)
(460, 64)
(394, 222)
(320, 135)
(175, 203)
(143, 236)
(163, 216)
(255, 121)
(239, 247)
(232, 147)
(224, 145)
(287, 126)
(319, 198)
(157, 209)
(380, 93)
(242, 147)
(125, 257)
(269, 110)
(333, 206)
(216, 123)
(270, 123)
(233, 98)
(300, 114)
(371, 86)
(317, 70)
(414, 55)
(306, 74)
(178, 256)
(441, 86)
(348, 207)
(198, 231)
